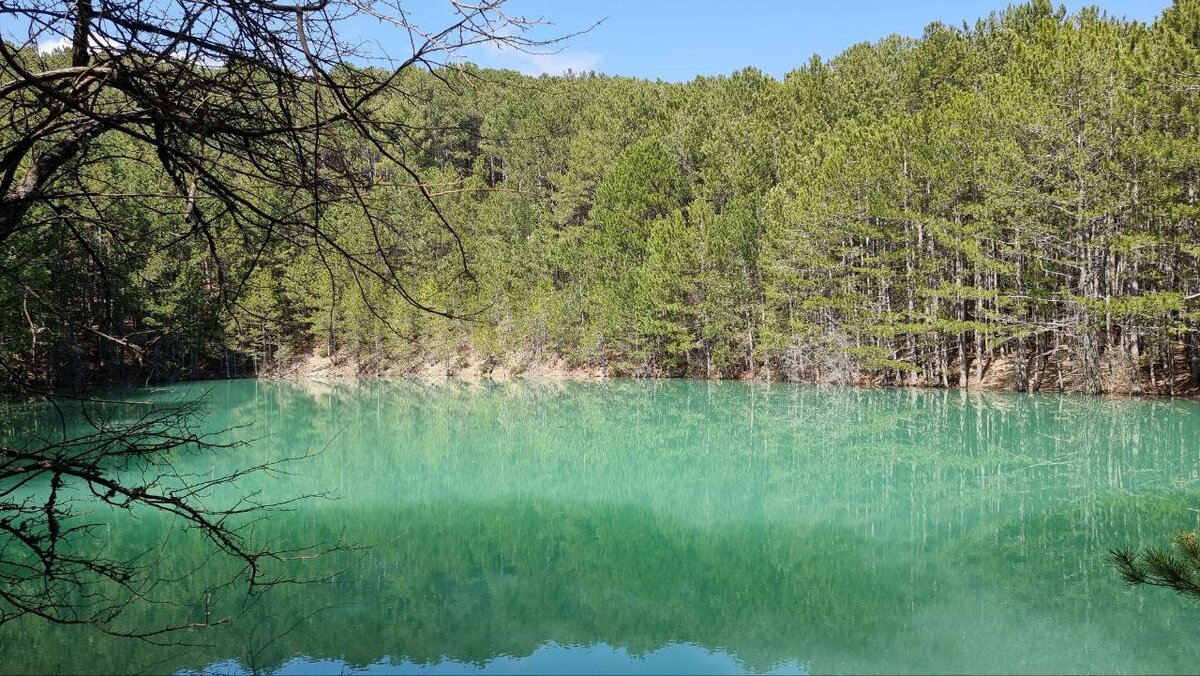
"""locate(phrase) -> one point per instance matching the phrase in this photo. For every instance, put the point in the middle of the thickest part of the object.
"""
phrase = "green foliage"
(910, 210)
(1178, 570)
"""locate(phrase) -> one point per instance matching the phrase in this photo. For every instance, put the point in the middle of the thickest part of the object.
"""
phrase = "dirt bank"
(428, 367)
(996, 374)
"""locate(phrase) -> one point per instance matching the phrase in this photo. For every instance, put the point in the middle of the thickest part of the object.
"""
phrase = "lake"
(679, 526)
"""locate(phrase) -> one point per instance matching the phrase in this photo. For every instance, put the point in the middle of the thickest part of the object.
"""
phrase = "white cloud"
(561, 62)
(535, 63)
(101, 43)
(98, 43)
(52, 45)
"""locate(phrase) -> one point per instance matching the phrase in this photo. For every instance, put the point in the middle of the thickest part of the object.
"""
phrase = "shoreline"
(996, 376)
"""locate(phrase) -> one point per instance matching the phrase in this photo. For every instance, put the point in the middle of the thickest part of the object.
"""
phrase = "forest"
(1008, 204)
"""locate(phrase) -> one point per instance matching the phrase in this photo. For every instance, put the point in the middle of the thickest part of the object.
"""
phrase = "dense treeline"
(1012, 203)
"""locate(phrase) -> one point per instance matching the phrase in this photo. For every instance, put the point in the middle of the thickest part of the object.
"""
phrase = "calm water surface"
(664, 527)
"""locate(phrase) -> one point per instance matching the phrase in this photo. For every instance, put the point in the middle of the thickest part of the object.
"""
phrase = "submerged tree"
(172, 150)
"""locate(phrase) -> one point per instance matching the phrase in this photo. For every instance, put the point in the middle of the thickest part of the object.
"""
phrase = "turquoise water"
(679, 526)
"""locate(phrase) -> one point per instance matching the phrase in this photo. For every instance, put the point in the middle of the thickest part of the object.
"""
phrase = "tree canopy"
(1007, 202)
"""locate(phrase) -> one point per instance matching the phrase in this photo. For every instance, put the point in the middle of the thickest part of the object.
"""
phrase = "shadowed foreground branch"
(63, 499)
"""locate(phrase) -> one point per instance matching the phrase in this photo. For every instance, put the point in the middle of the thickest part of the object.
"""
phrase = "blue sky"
(679, 39)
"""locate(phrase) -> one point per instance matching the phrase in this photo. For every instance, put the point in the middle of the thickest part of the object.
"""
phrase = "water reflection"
(691, 526)
(550, 658)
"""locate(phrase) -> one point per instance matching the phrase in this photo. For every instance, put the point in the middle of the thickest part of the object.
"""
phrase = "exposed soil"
(470, 367)
(997, 374)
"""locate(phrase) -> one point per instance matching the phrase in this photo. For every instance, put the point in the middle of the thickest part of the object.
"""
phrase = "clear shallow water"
(681, 526)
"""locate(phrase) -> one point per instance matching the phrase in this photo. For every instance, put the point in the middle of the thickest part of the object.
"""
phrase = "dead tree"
(241, 110)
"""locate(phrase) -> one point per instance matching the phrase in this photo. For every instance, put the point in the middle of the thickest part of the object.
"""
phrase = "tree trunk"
(1194, 358)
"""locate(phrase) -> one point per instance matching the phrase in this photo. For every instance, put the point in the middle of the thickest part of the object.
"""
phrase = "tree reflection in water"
(742, 527)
